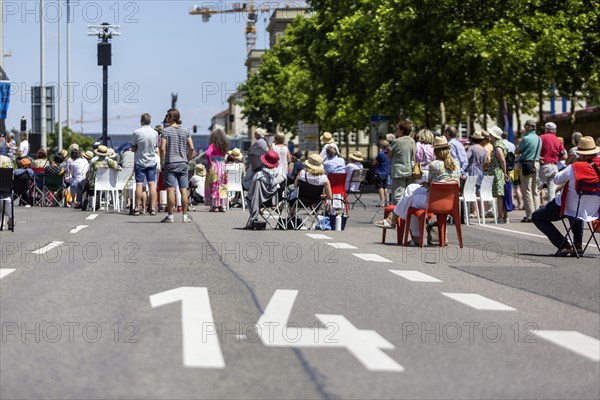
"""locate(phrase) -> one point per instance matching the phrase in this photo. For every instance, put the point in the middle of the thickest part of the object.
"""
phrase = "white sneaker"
(168, 218)
(186, 219)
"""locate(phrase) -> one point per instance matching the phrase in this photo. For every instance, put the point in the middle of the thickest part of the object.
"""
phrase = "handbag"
(508, 197)
(528, 167)
(417, 171)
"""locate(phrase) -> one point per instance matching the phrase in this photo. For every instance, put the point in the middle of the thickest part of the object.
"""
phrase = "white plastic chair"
(486, 195)
(105, 183)
(470, 196)
(234, 181)
(125, 181)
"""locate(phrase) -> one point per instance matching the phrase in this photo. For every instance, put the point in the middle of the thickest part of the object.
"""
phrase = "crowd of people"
(528, 174)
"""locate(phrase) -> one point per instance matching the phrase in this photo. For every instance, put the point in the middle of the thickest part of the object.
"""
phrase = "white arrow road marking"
(575, 341)
(415, 276)
(47, 248)
(342, 246)
(371, 257)
(365, 345)
(201, 348)
(79, 228)
(478, 302)
(92, 217)
(5, 272)
(318, 236)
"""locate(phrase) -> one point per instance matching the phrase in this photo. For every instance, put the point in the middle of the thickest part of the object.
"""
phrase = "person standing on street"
(176, 148)
(402, 156)
(144, 143)
(529, 150)
(457, 149)
(552, 151)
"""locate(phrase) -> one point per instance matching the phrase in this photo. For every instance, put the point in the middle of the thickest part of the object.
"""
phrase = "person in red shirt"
(552, 151)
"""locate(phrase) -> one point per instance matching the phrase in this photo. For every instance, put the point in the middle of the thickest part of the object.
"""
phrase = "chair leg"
(495, 205)
(422, 229)
(441, 223)
(400, 226)
(2, 218)
(459, 234)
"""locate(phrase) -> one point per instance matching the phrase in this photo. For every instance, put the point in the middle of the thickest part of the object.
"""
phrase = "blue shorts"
(141, 173)
(176, 174)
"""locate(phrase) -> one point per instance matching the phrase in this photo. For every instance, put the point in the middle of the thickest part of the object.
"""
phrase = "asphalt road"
(118, 310)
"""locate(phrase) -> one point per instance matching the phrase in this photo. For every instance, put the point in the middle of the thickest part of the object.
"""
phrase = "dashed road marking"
(318, 236)
(371, 257)
(342, 246)
(577, 342)
(513, 231)
(5, 272)
(415, 276)
(92, 217)
(79, 228)
(47, 248)
(478, 302)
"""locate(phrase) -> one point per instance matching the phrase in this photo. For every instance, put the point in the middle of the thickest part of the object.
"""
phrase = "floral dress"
(496, 170)
(216, 194)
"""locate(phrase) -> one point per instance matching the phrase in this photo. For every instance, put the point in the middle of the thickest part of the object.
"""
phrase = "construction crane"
(251, 18)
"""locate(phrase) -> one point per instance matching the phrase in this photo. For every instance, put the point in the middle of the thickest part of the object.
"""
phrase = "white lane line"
(577, 342)
(79, 228)
(47, 248)
(415, 276)
(371, 257)
(341, 245)
(5, 272)
(318, 236)
(478, 302)
(92, 217)
(513, 231)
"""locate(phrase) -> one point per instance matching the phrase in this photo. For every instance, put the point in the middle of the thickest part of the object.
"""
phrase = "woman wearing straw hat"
(235, 156)
(443, 169)
(328, 141)
(284, 153)
(314, 174)
(498, 170)
(356, 160)
(586, 169)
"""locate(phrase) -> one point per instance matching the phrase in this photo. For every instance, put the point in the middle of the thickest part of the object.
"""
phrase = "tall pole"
(105, 105)
(43, 132)
(59, 88)
(1, 34)
(69, 99)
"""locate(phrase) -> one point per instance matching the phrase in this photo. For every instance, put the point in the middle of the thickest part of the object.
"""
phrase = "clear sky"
(162, 50)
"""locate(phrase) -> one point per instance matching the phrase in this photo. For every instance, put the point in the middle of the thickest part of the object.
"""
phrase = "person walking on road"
(144, 143)
(176, 148)
(552, 151)
(498, 171)
(529, 150)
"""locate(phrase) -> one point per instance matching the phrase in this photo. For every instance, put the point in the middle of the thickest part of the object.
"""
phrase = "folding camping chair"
(6, 196)
(310, 201)
(53, 189)
(21, 188)
(275, 209)
(38, 198)
(585, 189)
(357, 183)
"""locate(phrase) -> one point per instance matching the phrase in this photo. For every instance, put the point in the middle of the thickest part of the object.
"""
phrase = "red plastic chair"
(338, 186)
(399, 224)
(443, 201)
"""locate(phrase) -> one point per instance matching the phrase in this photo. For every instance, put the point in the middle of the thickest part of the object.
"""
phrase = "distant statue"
(174, 100)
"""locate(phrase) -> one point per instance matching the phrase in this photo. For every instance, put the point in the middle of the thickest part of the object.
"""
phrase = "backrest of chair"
(103, 179)
(125, 178)
(309, 192)
(38, 176)
(6, 180)
(486, 188)
(359, 175)
(470, 189)
(338, 183)
(54, 182)
(21, 183)
(589, 189)
(234, 177)
(443, 198)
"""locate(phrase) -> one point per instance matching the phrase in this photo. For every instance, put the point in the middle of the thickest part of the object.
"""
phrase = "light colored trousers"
(546, 176)
(414, 195)
(398, 186)
(529, 187)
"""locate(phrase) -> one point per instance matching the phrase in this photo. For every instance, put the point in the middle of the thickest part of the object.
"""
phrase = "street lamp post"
(105, 33)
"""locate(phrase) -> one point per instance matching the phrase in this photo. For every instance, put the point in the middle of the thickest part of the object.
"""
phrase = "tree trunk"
(500, 112)
(472, 112)
(442, 116)
(517, 111)
(573, 118)
(485, 109)
(541, 106)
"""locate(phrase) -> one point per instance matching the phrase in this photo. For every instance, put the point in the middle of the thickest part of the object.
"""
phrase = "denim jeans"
(543, 218)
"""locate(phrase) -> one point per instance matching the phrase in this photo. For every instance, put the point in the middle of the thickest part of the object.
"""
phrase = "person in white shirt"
(23, 149)
(144, 143)
(356, 160)
(78, 168)
(588, 208)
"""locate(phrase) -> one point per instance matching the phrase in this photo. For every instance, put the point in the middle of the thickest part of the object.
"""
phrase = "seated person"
(54, 168)
(314, 174)
(334, 164)
(197, 183)
(298, 166)
(566, 200)
(265, 183)
(356, 159)
(443, 169)
(25, 173)
(42, 159)
(87, 184)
